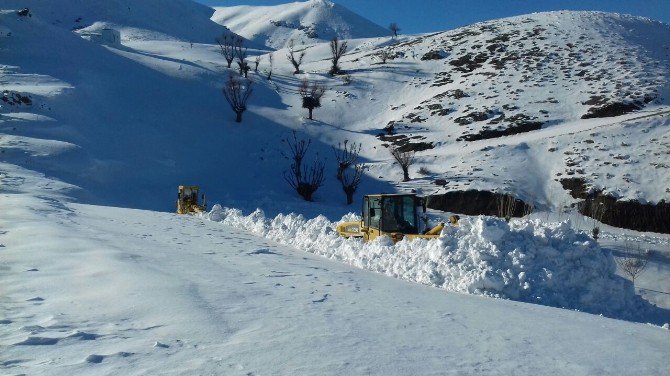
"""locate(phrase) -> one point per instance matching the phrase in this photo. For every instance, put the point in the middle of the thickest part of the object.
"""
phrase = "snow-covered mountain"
(305, 22)
(136, 20)
(511, 105)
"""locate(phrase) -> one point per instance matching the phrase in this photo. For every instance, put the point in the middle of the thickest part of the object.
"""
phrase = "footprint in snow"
(262, 251)
(38, 341)
(84, 336)
(93, 358)
(5, 322)
(325, 297)
(33, 270)
(161, 345)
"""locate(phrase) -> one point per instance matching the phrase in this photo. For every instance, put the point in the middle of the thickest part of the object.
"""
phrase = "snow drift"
(524, 260)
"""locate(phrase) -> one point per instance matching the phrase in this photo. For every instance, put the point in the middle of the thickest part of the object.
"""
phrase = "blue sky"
(416, 16)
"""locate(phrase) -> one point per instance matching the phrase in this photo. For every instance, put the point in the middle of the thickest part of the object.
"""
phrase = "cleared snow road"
(98, 290)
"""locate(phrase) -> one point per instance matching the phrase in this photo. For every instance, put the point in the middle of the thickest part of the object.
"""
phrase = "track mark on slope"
(325, 297)
(38, 341)
(262, 251)
(96, 358)
(84, 336)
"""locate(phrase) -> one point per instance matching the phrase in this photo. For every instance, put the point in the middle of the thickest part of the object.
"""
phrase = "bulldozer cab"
(187, 200)
(395, 215)
(391, 213)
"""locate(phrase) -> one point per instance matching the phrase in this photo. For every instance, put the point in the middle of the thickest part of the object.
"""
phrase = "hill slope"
(123, 125)
(305, 22)
(136, 20)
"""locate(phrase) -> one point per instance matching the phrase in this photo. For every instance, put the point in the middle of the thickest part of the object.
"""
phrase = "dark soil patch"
(472, 117)
(13, 98)
(495, 133)
(612, 109)
(469, 62)
(434, 55)
(624, 214)
(405, 143)
(473, 202)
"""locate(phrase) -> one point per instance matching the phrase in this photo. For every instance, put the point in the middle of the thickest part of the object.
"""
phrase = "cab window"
(374, 211)
(399, 214)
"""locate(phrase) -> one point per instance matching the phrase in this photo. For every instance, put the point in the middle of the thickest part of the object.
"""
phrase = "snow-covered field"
(92, 133)
(101, 290)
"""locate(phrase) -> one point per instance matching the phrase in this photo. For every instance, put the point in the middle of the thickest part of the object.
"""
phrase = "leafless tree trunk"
(506, 206)
(305, 180)
(241, 54)
(350, 182)
(291, 56)
(346, 156)
(337, 49)
(271, 65)
(634, 263)
(227, 42)
(404, 159)
(311, 95)
(383, 55)
(394, 29)
(237, 94)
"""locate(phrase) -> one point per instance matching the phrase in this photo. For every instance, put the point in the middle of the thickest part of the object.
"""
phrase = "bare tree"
(304, 179)
(291, 56)
(383, 55)
(394, 29)
(241, 54)
(227, 42)
(506, 205)
(311, 95)
(350, 182)
(404, 159)
(337, 48)
(596, 211)
(271, 65)
(634, 262)
(346, 156)
(237, 94)
(257, 61)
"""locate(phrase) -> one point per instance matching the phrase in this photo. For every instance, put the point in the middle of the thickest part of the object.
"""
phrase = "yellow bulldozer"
(394, 215)
(187, 200)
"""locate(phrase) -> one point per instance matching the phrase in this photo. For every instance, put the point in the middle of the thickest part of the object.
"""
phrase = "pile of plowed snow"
(525, 260)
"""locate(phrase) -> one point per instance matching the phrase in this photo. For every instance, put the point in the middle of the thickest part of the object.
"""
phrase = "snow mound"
(524, 260)
(305, 22)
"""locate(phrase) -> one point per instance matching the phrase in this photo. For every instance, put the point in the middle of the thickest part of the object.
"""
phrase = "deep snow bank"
(525, 260)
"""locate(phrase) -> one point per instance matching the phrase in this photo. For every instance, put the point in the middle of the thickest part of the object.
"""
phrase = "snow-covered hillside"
(306, 22)
(136, 20)
(124, 124)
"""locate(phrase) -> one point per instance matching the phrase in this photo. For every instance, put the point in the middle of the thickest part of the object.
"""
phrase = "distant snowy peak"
(136, 20)
(304, 22)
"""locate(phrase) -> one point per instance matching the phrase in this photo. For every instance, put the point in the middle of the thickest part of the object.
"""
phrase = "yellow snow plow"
(394, 215)
(187, 200)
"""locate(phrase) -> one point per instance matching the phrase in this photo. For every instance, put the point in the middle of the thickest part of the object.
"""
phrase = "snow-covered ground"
(101, 290)
(91, 133)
